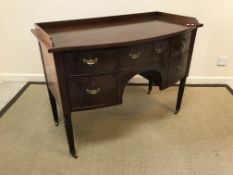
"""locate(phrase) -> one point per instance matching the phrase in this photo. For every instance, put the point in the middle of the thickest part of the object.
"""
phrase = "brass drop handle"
(90, 61)
(158, 51)
(93, 91)
(135, 55)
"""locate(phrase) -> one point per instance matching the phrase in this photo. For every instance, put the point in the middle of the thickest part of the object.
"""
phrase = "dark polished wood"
(80, 63)
(150, 85)
(51, 96)
(88, 92)
(88, 62)
(54, 107)
(69, 134)
(180, 94)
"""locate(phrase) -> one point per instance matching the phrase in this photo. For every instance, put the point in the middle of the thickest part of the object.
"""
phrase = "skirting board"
(136, 79)
(194, 80)
(22, 77)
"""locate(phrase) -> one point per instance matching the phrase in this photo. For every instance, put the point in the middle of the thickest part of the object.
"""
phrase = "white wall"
(20, 59)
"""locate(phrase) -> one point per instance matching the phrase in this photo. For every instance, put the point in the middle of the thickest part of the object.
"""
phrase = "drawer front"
(181, 43)
(133, 56)
(93, 91)
(90, 62)
(177, 68)
(160, 51)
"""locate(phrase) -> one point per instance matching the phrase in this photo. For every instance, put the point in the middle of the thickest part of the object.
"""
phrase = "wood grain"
(112, 31)
(88, 62)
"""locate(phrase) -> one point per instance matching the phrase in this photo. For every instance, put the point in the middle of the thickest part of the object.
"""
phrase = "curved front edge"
(157, 76)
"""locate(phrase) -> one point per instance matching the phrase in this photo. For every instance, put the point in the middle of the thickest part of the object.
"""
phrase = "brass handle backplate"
(158, 50)
(90, 61)
(93, 91)
(135, 55)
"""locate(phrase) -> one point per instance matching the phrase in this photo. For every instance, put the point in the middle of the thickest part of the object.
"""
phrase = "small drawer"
(133, 56)
(177, 68)
(93, 91)
(160, 51)
(181, 43)
(90, 62)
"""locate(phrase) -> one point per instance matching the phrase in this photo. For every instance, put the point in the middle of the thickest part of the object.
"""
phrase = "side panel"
(181, 54)
(50, 72)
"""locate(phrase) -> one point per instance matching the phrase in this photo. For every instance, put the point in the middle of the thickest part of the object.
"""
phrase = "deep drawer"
(133, 56)
(90, 62)
(181, 43)
(177, 68)
(93, 91)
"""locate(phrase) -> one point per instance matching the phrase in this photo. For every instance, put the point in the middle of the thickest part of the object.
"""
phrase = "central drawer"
(93, 91)
(134, 56)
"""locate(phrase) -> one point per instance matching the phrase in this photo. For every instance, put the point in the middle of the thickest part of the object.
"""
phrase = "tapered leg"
(54, 107)
(180, 94)
(150, 85)
(69, 134)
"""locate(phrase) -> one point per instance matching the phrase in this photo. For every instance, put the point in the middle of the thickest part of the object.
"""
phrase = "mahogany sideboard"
(88, 62)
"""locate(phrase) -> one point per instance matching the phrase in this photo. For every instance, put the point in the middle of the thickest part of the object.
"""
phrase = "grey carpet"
(140, 137)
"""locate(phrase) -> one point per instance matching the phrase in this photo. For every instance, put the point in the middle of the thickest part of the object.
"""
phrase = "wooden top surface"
(112, 31)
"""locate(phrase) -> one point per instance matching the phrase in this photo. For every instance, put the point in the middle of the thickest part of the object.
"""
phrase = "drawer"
(93, 91)
(177, 68)
(181, 43)
(90, 62)
(133, 56)
(160, 51)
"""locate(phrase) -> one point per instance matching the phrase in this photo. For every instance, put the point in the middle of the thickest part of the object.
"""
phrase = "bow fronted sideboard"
(88, 62)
